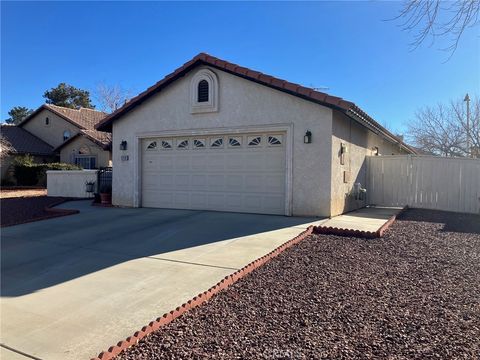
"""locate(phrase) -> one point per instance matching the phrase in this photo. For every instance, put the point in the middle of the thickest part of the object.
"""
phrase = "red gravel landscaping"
(413, 294)
(21, 210)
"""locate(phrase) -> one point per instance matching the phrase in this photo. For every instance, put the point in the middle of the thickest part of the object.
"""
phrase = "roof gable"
(82, 118)
(101, 138)
(348, 107)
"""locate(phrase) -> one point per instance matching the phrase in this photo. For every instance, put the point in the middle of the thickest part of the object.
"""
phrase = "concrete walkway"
(73, 286)
(367, 220)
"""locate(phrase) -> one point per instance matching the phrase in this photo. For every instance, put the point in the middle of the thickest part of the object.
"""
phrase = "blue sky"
(345, 46)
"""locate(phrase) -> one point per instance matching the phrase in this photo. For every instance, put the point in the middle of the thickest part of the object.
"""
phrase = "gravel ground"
(13, 193)
(414, 294)
(20, 210)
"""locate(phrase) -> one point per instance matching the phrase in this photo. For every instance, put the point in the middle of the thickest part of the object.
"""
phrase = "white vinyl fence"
(430, 182)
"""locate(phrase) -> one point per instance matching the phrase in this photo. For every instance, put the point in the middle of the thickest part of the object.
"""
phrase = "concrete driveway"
(75, 285)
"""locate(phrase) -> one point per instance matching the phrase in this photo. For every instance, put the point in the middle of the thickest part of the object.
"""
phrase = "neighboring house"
(72, 134)
(217, 136)
(23, 142)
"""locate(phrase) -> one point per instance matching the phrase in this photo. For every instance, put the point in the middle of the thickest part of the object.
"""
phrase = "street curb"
(198, 300)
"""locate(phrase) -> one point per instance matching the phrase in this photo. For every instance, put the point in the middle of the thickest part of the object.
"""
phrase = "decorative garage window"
(235, 141)
(166, 144)
(182, 144)
(204, 92)
(86, 161)
(254, 140)
(275, 140)
(152, 146)
(199, 143)
(216, 142)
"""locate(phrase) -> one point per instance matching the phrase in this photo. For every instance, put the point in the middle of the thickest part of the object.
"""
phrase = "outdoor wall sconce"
(343, 151)
(123, 145)
(307, 138)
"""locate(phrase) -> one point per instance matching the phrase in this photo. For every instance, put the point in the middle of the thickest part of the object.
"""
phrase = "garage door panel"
(254, 183)
(182, 162)
(182, 181)
(151, 198)
(164, 162)
(199, 181)
(182, 200)
(216, 182)
(246, 178)
(198, 200)
(215, 162)
(253, 202)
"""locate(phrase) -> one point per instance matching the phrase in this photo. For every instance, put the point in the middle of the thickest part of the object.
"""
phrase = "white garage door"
(242, 173)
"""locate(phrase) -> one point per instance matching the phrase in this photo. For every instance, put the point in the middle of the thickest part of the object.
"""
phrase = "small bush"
(26, 175)
(36, 174)
(26, 160)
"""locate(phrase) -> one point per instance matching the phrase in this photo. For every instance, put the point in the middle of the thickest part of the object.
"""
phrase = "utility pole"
(467, 100)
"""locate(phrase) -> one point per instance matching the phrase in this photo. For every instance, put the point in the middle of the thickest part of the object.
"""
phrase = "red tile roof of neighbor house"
(24, 142)
(101, 138)
(83, 118)
(347, 107)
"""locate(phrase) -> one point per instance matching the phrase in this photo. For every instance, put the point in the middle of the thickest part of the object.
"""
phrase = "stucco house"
(22, 142)
(213, 135)
(72, 134)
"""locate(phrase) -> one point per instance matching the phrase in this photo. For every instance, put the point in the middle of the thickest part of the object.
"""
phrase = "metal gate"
(104, 179)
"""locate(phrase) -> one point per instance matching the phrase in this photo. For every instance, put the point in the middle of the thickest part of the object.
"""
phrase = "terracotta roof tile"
(83, 118)
(294, 89)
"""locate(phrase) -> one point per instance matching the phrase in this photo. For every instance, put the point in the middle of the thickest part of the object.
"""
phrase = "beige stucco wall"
(360, 142)
(242, 104)
(53, 133)
(70, 183)
(69, 150)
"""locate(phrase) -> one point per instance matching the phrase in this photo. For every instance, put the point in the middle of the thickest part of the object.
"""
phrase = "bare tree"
(110, 98)
(5, 148)
(436, 18)
(442, 129)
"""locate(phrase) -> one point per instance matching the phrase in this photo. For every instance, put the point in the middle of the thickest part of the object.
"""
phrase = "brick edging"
(358, 233)
(390, 221)
(199, 299)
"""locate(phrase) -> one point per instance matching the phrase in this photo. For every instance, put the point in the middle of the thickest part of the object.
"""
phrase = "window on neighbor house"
(86, 162)
(47, 121)
(202, 95)
(66, 135)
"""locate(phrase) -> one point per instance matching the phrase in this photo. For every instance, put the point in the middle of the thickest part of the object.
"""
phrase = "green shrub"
(26, 160)
(26, 175)
(36, 174)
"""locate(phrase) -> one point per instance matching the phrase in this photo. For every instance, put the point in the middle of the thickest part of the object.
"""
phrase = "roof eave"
(364, 119)
(46, 107)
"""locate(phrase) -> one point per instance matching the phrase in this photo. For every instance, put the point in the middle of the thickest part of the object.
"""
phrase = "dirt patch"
(19, 210)
(413, 294)
(15, 193)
